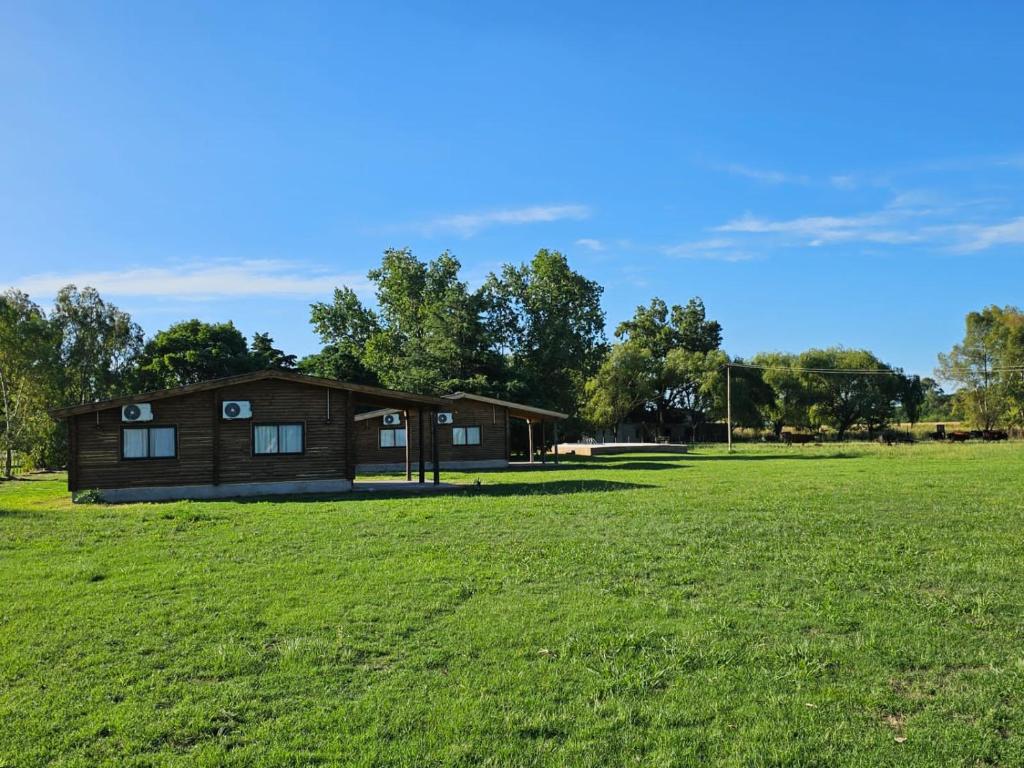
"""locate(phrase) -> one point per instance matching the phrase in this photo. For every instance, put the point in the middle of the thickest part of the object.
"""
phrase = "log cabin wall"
(211, 450)
(492, 420)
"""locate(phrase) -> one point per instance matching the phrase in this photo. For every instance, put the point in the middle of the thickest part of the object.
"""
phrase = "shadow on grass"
(543, 488)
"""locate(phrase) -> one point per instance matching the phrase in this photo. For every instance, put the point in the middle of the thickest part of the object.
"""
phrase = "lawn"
(818, 605)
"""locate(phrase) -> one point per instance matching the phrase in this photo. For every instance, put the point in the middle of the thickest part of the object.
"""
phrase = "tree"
(345, 327)
(546, 321)
(264, 355)
(791, 399)
(98, 344)
(192, 351)
(988, 393)
(683, 347)
(937, 404)
(626, 381)
(27, 377)
(912, 397)
(844, 399)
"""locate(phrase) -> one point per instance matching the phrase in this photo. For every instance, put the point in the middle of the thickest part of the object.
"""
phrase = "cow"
(994, 434)
(958, 437)
(794, 438)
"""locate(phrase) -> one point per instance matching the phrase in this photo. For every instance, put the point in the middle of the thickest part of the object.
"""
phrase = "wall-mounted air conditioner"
(236, 409)
(137, 412)
(445, 418)
(392, 419)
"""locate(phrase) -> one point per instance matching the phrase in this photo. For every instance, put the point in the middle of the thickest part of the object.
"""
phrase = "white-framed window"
(465, 435)
(149, 442)
(392, 438)
(270, 439)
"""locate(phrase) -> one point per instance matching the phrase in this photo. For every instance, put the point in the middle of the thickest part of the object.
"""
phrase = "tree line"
(532, 332)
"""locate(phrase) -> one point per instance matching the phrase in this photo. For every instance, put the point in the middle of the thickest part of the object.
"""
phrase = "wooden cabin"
(269, 432)
(473, 432)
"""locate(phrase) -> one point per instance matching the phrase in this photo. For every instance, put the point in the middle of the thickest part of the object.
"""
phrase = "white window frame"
(277, 444)
(460, 436)
(394, 437)
(149, 430)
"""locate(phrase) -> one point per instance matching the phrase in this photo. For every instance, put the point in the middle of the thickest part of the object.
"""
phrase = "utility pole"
(728, 404)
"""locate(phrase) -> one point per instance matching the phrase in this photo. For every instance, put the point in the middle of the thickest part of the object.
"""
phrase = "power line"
(857, 371)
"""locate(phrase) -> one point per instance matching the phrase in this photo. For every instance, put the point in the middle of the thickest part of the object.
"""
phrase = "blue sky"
(819, 175)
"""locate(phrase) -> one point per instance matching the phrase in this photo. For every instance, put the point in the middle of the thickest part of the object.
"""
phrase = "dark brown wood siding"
(492, 420)
(211, 450)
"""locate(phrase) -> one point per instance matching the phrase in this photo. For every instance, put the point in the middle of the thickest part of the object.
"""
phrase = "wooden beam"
(423, 458)
(529, 441)
(433, 447)
(556, 443)
(408, 439)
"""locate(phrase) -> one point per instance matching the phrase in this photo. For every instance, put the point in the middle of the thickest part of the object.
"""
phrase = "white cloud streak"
(590, 244)
(469, 224)
(226, 280)
(765, 176)
(711, 249)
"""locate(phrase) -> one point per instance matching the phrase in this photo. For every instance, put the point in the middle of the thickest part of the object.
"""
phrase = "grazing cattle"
(793, 438)
(958, 437)
(995, 434)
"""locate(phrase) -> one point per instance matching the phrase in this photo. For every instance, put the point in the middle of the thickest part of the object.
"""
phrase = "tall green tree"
(98, 345)
(842, 400)
(625, 383)
(791, 397)
(192, 351)
(683, 345)
(987, 393)
(344, 327)
(264, 355)
(426, 334)
(28, 378)
(546, 321)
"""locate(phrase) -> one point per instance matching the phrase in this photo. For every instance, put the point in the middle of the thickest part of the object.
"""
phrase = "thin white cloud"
(711, 249)
(590, 244)
(982, 238)
(235, 279)
(881, 227)
(762, 175)
(469, 224)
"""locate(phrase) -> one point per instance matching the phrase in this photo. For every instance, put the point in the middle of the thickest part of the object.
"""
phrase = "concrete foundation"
(608, 449)
(224, 491)
(469, 465)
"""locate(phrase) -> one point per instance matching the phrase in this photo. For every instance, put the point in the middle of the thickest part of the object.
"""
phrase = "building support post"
(529, 433)
(728, 405)
(556, 443)
(423, 457)
(433, 447)
(543, 444)
(408, 437)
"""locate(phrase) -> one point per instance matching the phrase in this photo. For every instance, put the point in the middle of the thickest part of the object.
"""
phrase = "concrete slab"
(608, 449)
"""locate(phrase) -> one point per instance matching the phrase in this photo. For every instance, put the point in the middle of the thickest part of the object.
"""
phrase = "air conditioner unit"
(137, 412)
(392, 419)
(445, 418)
(236, 409)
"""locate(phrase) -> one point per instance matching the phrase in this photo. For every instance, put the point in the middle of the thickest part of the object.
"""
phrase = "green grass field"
(823, 605)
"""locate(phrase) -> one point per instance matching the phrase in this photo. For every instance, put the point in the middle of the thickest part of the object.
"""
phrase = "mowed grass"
(826, 606)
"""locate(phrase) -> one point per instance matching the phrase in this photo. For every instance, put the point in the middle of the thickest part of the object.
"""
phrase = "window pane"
(265, 439)
(161, 442)
(291, 438)
(400, 438)
(458, 435)
(135, 443)
(472, 435)
(387, 438)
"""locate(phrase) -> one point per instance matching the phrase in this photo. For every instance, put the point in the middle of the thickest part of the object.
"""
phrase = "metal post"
(423, 459)
(543, 444)
(529, 433)
(556, 443)
(728, 404)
